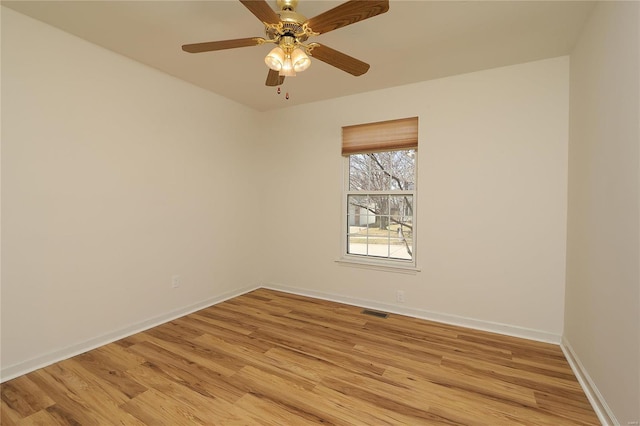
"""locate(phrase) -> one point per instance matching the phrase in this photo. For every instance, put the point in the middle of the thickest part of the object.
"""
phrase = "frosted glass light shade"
(275, 59)
(300, 60)
(287, 67)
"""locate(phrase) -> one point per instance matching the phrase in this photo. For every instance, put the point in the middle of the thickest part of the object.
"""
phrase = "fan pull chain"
(286, 96)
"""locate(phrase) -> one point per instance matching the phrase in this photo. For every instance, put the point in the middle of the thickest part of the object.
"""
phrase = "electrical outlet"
(175, 281)
(400, 296)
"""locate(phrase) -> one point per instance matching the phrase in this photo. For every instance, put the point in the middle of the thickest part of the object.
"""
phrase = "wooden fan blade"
(261, 10)
(346, 14)
(274, 78)
(221, 45)
(339, 60)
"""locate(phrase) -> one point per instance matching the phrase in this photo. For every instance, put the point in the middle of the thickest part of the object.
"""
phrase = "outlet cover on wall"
(400, 296)
(175, 281)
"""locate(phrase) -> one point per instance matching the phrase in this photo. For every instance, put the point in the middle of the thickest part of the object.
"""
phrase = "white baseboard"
(604, 413)
(41, 361)
(509, 330)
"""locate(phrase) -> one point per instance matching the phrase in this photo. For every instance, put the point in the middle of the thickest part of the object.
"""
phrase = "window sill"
(378, 266)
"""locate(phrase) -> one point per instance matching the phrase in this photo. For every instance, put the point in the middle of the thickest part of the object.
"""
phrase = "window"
(380, 192)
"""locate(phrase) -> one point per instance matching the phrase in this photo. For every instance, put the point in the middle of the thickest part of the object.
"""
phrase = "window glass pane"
(379, 163)
(379, 221)
(379, 204)
(378, 181)
(379, 247)
(400, 249)
(357, 244)
(402, 165)
(359, 173)
(401, 208)
(359, 213)
(382, 171)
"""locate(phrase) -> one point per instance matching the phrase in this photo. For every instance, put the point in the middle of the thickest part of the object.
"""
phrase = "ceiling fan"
(289, 30)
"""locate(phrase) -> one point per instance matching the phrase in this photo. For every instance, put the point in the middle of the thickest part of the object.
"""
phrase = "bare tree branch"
(375, 159)
(406, 243)
(395, 178)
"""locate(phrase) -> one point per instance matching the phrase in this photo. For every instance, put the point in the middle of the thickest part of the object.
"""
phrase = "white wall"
(114, 178)
(602, 319)
(491, 204)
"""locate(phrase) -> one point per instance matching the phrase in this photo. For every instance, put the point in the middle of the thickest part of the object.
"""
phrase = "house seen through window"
(380, 183)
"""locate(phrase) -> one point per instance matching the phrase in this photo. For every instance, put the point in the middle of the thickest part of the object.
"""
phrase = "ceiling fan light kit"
(289, 30)
(287, 64)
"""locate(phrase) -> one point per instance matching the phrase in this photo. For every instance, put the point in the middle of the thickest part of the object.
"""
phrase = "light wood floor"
(279, 359)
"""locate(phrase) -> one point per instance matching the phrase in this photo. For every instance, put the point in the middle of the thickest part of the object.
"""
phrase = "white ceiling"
(413, 41)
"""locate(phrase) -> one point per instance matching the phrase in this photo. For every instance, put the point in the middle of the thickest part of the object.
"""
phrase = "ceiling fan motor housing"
(292, 26)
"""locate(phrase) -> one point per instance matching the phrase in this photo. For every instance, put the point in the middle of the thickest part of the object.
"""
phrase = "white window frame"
(369, 261)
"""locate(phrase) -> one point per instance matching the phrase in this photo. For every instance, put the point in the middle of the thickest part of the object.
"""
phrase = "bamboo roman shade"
(381, 136)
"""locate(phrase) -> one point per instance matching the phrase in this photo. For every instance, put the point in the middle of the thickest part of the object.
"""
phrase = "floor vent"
(375, 313)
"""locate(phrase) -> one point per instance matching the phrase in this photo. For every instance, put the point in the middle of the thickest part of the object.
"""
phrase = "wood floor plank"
(247, 341)
(361, 412)
(23, 397)
(499, 373)
(229, 321)
(181, 400)
(454, 383)
(155, 407)
(258, 360)
(100, 363)
(466, 404)
(274, 358)
(196, 377)
(388, 397)
(68, 393)
(46, 417)
(101, 396)
(286, 394)
(193, 352)
(261, 411)
(306, 344)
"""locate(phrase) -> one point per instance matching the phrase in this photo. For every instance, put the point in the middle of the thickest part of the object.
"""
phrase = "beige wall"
(492, 169)
(114, 178)
(602, 319)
